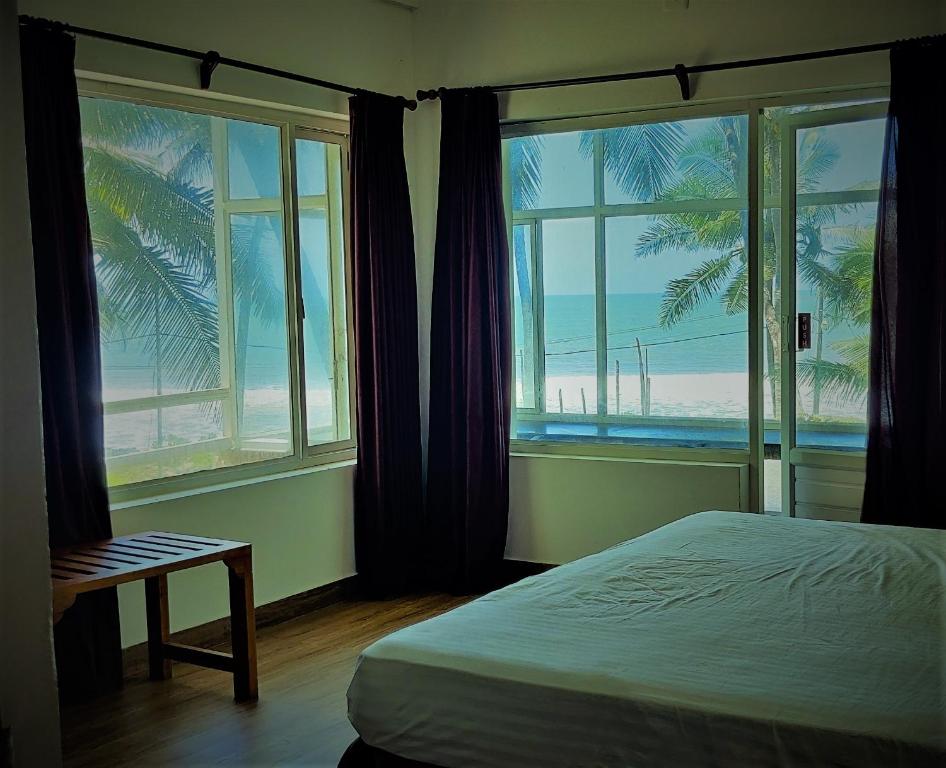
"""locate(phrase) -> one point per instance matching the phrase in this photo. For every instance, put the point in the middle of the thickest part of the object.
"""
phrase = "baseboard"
(217, 632)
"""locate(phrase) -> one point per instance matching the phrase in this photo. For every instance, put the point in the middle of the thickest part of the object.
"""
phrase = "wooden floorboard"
(305, 666)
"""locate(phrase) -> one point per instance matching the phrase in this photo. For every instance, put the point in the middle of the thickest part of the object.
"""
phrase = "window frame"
(292, 123)
(753, 107)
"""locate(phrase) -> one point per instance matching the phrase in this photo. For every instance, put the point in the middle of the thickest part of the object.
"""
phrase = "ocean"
(698, 367)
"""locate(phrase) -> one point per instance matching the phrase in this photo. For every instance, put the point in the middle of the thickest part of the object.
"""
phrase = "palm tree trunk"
(773, 354)
(528, 326)
(819, 347)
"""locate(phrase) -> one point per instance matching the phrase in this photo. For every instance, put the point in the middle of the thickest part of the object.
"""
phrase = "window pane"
(164, 442)
(677, 328)
(551, 171)
(568, 274)
(834, 262)
(261, 343)
(310, 165)
(524, 352)
(179, 317)
(685, 160)
(840, 157)
(254, 168)
(322, 261)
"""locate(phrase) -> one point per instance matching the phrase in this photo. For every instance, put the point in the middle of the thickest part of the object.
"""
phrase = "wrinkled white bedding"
(723, 639)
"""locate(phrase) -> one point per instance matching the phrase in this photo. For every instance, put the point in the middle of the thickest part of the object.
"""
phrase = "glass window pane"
(178, 316)
(310, 167)
(840, 157)
(551, 171)
(685, 160)
(524, 320)
(834, 262)
(254, 168)
(322, 260)
(164, 442)
(568, 274)
(677, 328)
(261, 343)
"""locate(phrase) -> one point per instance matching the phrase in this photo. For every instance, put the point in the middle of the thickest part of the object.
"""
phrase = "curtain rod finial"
(429, 95)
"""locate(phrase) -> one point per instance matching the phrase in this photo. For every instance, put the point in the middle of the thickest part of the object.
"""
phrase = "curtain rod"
(209, 60)
(682, 73)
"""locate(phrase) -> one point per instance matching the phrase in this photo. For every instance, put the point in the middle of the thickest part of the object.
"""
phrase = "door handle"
(804, 330)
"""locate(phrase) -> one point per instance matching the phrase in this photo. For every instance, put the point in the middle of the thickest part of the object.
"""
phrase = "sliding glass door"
(819, 223)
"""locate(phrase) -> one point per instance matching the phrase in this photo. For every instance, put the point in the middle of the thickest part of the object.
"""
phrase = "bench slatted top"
(99, 564)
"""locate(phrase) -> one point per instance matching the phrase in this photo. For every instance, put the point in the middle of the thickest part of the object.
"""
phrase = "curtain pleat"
(388, 485)
(87, 639)
(470, 365)
(907, 395)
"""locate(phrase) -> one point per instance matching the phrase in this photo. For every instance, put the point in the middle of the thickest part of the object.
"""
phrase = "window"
(199, 271)
(630, 275)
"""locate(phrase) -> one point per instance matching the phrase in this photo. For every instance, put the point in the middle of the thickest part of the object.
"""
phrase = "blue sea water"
(706, 341)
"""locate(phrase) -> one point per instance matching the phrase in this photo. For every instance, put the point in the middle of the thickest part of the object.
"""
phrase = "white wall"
(564, 508)
(300, 526)
(28, 703)
(561, 508)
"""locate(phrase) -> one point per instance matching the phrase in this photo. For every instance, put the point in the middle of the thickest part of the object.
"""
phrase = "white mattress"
(723, 639)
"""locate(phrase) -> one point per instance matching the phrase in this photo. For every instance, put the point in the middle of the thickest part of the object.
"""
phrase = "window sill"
(183, 487)
(629, 452)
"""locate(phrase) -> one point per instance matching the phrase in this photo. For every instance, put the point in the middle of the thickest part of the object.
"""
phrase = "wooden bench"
(152, 556)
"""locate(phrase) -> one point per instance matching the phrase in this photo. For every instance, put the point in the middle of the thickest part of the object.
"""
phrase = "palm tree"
(150, 197)
(849, 273)
(525, 170)
(712, 166)
(640, 157)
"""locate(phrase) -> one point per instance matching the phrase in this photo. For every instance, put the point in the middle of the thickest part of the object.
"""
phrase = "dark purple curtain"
(470, 365)
(87, 639)
(907, 401)
(388, 486)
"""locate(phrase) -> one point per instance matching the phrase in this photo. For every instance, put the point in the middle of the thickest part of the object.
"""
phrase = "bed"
(722, 639)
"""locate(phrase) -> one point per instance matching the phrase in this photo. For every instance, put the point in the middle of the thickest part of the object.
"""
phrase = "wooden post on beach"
(645, 379)
(617, 386)
(561, 404)
(584, 407)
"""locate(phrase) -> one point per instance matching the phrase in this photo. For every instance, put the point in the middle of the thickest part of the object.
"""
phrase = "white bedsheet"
(723, 639)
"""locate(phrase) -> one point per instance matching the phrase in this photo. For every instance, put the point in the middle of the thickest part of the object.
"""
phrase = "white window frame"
(753, 107)
(292, 124)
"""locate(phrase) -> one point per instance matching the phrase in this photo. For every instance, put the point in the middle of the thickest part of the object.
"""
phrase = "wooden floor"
(305, 666)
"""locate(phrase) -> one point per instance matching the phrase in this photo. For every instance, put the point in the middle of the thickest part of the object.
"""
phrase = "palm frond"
(816, 156)
(736, 295)
(257, 279)
(846, 379)
(641, 159)
(142, 286)
(692, 230)
(683, 295)
(171, 214)
(525, 171)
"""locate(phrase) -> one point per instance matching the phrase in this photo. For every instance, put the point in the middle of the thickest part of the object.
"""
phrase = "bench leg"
(156, 603)
(243, 628)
